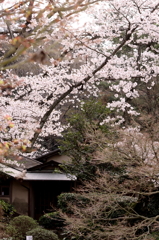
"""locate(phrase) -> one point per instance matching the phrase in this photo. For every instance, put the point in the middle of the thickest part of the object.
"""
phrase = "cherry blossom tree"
(116, 48)
(118, 44)
(25, 26)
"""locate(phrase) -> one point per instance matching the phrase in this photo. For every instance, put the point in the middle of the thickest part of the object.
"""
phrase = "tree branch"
(84, 81)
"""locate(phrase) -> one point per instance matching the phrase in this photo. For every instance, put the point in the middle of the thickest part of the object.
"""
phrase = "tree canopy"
(56, 55)
(117, 45)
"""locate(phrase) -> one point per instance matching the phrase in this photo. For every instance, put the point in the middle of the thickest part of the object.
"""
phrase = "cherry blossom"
(118, 45)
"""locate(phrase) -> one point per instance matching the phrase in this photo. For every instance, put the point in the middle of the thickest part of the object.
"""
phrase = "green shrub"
(67, 199)
(8, 208)
(1, 212)
(79, 141)
(154, 236)
(51, 220)
(18, 227)
(3, 234)
(42, 234)
(6, 238)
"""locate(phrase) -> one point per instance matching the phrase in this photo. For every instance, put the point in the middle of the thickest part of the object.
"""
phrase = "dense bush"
(51, 220)
(65, 199)
(1, 212)
(18, 227)
(6, 238)
(7, 208)
(42, 234)
(80, 140)
(3, 234)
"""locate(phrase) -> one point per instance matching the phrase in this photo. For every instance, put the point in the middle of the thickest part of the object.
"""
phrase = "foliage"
(66, 200)
(113, 55)
(42, 234)
(80, 140)
(154, 236)
(8, 208)
(51, 220)
(6, 238)
(3, 234)
(34, 43)
(18, 227)
(7, 148)
(122, 199)
(1, 212)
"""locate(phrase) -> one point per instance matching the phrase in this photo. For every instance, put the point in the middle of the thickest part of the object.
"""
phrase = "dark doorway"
(45, 195)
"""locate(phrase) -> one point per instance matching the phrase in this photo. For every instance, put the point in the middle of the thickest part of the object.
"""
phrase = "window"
(4, 188)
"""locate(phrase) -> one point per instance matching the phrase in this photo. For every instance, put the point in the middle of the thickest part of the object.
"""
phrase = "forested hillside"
(87, 72)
